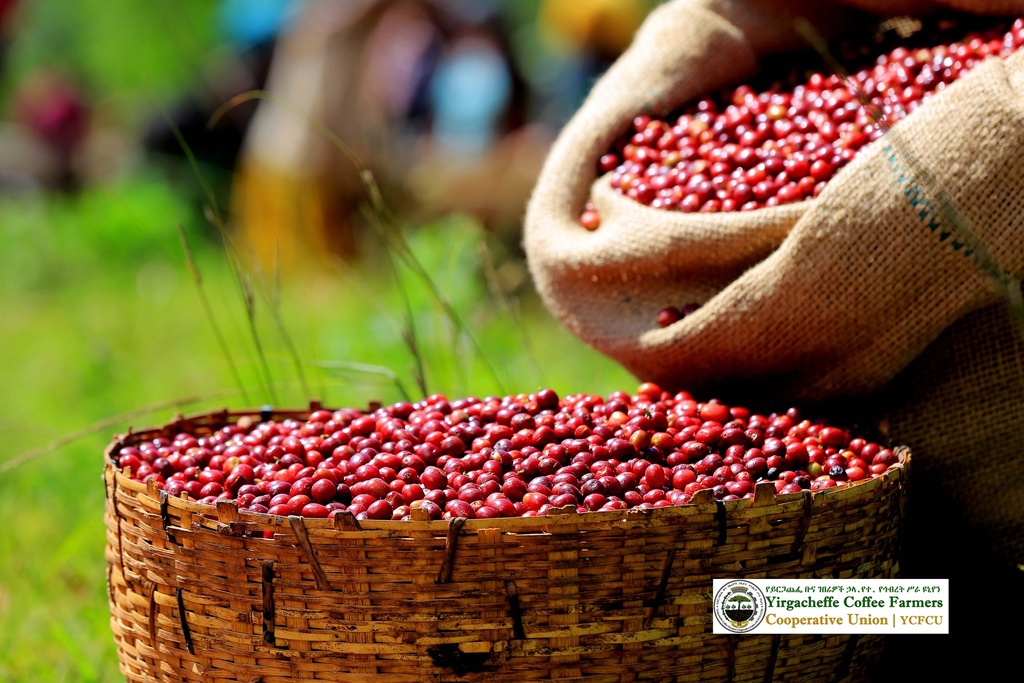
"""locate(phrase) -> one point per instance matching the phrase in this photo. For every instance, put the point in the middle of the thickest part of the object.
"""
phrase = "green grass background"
(102, 326)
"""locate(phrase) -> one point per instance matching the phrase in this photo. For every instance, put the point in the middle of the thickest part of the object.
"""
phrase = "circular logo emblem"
(739, 606)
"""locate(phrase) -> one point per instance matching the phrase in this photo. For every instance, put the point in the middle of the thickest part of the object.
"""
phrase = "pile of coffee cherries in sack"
(752, 147)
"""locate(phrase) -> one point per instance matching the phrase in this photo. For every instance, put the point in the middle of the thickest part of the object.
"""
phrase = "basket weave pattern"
(203, 594)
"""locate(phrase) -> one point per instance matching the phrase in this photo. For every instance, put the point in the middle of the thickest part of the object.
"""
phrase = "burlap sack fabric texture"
(873, 291)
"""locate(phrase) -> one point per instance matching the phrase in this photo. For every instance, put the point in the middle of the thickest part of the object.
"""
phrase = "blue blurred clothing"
(469, 92)
(251, 22)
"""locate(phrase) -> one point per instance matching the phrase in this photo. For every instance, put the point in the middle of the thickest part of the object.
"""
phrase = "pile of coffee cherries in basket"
(753, 147)
(514, 456)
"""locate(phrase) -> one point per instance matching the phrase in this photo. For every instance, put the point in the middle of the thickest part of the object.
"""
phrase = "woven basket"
(199, 593)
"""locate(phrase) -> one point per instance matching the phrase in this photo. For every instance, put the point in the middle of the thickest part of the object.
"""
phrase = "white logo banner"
(848, 606)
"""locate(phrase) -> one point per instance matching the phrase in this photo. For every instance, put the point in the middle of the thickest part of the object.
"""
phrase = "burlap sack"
(831, 297)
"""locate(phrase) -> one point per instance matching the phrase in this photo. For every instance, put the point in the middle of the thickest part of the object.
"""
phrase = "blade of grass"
(311, 321)
(213, 213)
(268, 290)
(197, 280)
(408, 324)
(273, 302)
(242, 278)
(208, 310)
(397, 242)
(367, 369)
(190, 156)
(401, 327)
(456, 341)
(106, 423)
(248, 298)
(508, 307)
(394, 241)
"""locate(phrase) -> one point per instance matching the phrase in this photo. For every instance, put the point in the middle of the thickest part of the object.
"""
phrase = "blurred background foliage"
(155, 262)
(123, 54)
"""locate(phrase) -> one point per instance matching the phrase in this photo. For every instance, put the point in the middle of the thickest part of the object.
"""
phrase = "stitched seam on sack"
(930, 216)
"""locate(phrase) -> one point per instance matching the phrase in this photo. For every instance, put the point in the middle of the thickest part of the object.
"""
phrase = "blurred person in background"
(582, 39)
(451, 104)
(501, 92)
(48, 121)
(51, 108)
(295, 194)
(480, 155)
(248, 31)
(471, 88)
